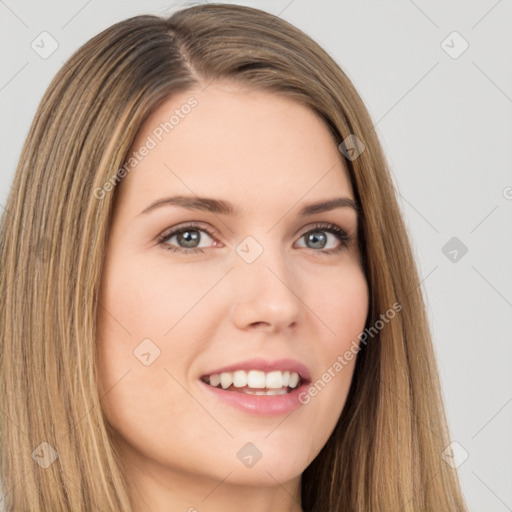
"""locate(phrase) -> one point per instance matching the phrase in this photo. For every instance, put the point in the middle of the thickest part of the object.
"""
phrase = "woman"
(209, 298)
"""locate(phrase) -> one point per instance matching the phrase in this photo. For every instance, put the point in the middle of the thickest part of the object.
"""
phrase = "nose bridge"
(259, 259)
(264, 284)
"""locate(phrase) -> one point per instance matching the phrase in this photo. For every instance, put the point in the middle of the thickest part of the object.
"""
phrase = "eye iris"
(315, 236)
(188, 236)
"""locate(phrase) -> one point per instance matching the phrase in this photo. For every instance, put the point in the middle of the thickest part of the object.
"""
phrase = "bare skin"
(269, 156)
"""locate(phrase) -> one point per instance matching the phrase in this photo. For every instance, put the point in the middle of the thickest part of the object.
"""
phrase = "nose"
(267, 296)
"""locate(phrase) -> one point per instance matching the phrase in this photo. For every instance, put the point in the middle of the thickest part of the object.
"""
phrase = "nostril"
(259, 323)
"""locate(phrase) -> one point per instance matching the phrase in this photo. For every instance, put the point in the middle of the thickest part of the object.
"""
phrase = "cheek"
(343, 312)
(151, 299)
(342, 306)
(148, 314)
(347, 320)
(139, 308)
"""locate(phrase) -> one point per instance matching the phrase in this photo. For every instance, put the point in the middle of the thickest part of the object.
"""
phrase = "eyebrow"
(226, 208)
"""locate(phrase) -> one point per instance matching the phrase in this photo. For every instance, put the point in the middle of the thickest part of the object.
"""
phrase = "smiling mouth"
(255, 382)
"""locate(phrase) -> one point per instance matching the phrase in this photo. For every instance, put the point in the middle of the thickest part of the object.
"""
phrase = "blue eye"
(188, 238)
(189, 235)
(317, 236)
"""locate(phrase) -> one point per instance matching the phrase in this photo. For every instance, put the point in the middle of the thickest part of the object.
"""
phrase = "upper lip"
(266, 366)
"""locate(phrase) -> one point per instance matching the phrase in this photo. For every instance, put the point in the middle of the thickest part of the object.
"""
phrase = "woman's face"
(262, 290)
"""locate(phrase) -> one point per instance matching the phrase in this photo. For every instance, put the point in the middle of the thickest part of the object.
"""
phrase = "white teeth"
(274, 380)
(269, 392)
(239, 379)
(256, 379)
(226, 379)
(294, 379)
(276, 392)
(215, 380)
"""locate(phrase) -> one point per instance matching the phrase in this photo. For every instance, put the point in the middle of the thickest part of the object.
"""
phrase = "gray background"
(445, 124)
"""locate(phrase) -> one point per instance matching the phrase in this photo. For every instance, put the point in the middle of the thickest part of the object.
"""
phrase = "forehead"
(227, 140)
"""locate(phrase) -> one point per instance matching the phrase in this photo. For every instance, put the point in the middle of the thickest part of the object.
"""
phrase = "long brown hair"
(385, 451)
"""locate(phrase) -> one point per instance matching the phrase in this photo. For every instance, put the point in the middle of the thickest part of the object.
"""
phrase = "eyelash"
(341, 234)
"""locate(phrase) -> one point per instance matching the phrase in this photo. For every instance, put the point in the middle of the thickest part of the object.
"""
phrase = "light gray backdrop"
(437, 79)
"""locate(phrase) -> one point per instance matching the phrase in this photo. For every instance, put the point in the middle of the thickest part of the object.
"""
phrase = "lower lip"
(264, 405)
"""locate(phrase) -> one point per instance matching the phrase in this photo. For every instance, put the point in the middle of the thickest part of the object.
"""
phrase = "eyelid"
(210, 230)
(343, 235)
